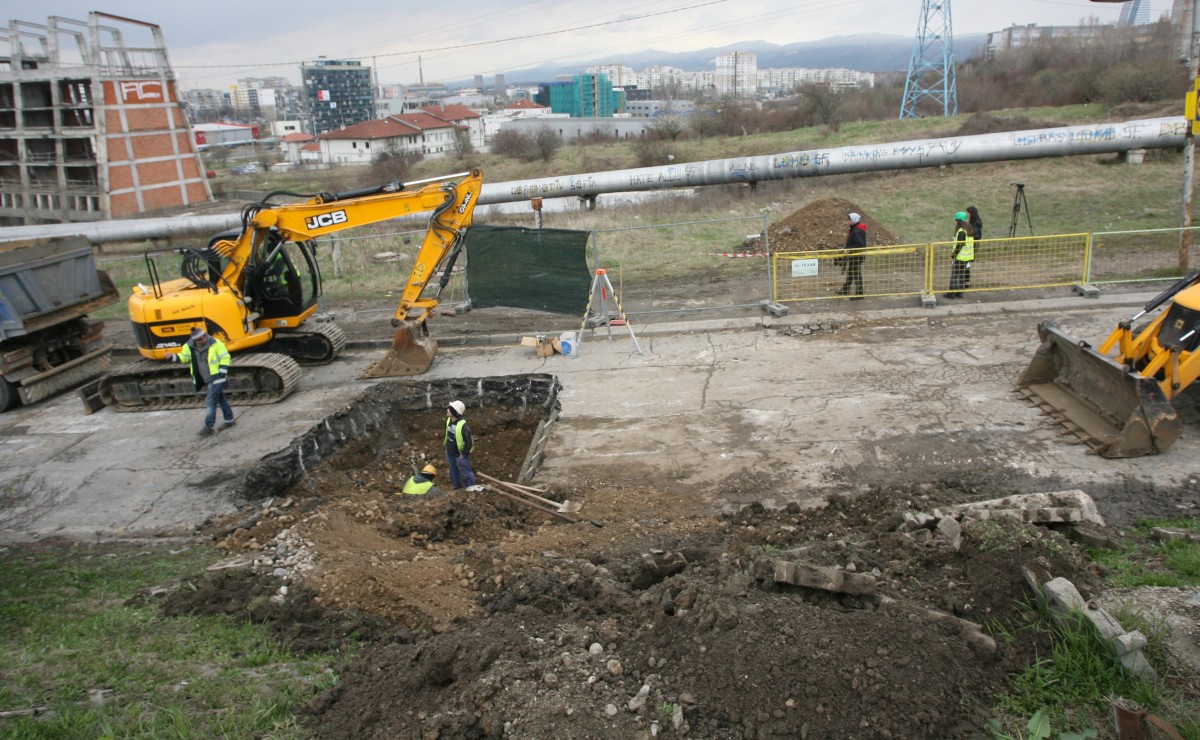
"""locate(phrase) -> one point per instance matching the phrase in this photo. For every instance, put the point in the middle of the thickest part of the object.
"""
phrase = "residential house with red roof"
(409, 133)
(462, 117)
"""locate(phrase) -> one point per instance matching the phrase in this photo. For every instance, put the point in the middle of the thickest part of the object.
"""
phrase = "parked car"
(246, 169)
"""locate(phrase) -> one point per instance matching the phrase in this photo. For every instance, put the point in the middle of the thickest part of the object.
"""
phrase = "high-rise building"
(585, 96)
(737, 74)
(95, 133)
(338, 93)
(1135, 13)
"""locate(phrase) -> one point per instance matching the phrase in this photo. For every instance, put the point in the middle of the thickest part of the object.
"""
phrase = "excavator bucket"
(1119, 412)
(411, 354)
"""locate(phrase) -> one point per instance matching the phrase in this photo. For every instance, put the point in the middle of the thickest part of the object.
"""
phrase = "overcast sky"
(215, 42)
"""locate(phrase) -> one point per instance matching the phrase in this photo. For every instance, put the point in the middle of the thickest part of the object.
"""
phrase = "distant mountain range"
(865, 52)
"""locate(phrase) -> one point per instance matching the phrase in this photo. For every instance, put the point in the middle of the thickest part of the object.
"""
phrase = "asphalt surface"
(791, 406)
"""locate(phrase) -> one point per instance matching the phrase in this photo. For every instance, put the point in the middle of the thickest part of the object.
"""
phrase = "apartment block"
(91, 125)
(338, 93)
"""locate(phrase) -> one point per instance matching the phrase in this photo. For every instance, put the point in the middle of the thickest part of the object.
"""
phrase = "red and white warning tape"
(738, 254)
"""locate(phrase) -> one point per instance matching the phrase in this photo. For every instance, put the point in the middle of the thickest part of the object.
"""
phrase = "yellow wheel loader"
(255, 288)
(1118, 397)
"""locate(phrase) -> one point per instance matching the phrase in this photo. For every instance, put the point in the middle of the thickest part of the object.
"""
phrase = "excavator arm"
(451, 202)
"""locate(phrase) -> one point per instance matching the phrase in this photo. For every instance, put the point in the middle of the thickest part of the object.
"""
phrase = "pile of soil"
(822, 224)
(650, 615)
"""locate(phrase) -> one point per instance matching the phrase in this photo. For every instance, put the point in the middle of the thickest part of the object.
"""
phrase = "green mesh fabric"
(541, 269)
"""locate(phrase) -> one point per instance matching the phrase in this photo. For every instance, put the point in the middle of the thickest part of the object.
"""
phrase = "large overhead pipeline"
(1098, 138)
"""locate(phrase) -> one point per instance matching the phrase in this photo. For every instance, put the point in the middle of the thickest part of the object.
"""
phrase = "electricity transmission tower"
(931, 85)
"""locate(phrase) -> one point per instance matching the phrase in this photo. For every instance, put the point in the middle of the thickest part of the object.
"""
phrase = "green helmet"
(961, 216)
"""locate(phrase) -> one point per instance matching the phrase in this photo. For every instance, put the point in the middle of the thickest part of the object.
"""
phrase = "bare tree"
(462, 143)
(548, 141)
(824, 102)
(668, 127)
(512, 143)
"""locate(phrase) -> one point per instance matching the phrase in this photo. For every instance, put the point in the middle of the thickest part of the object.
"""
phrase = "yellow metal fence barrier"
(925, 269)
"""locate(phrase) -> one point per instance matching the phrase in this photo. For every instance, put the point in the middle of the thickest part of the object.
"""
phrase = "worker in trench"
(459, 444)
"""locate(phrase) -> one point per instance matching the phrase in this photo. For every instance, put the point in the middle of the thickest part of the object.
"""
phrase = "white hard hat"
(458, 407)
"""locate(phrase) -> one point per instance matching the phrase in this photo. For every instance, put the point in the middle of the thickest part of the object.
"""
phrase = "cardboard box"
(542, 346)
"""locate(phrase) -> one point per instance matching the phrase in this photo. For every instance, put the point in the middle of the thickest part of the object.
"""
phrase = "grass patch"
(1070, 687)
(1148, 562)
(103, 666)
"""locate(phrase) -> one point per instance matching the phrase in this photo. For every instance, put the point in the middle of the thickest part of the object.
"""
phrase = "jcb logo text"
(326, 219)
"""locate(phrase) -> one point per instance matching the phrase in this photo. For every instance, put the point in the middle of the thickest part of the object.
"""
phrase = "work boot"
(843, 290)
(228, 423)
(205, 431)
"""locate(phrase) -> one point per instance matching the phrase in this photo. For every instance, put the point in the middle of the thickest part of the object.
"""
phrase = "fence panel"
(1009, 264)
(1139, 256)
(821, 274)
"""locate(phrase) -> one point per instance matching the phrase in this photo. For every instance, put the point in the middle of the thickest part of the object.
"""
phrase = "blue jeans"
(213, 398)
(461, 474)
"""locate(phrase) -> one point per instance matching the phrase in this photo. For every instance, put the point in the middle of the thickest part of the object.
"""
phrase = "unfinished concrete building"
(90, 126)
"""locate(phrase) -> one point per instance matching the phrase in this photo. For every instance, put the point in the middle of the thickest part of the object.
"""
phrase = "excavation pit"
(398, 426)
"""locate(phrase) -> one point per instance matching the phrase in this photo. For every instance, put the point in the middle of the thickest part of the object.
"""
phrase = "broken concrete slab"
(825, 579)
(1055, 507)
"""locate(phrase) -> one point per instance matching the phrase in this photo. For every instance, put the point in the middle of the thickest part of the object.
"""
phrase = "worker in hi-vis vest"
(964, 254)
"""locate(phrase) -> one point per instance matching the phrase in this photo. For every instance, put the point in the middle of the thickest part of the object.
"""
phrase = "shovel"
(566, 507)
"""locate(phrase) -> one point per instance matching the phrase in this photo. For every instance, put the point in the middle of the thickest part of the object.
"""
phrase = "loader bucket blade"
(1119, 412)
(411, 354)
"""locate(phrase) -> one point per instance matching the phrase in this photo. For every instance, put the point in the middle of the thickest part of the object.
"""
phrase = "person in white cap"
(458, 444)
(208, 359)
(852, 263)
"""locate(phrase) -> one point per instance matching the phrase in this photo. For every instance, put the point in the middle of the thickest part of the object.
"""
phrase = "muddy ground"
(649, 615)
(655, 612)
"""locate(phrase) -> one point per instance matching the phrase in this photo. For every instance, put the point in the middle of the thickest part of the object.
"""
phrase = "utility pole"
(931, 74)
(1191, 31)
(1188, 12)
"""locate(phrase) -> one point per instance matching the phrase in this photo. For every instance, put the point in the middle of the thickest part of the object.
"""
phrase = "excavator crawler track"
(316, 346)
(255, 378)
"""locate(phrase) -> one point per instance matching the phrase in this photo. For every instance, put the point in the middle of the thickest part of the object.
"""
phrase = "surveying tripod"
(1018, 201)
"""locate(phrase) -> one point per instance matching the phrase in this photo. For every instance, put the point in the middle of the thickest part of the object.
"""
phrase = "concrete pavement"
(749, 408)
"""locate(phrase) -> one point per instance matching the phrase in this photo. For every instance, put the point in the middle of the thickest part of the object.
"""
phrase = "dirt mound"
(822, 224)
(649, 611)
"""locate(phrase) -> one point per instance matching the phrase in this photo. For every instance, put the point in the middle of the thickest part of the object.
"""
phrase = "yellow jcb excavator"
(255, 288)
(1118, 397)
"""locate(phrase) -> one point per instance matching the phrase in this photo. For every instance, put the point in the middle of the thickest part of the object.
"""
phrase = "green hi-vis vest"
(413, 488)
(967, 253)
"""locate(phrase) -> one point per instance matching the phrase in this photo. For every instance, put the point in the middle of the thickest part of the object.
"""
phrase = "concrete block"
(825, 579)
(928, 301)
(775, 309)
(1129, 642)
(1170, 534)
(1062, 596)
(950, 530)
(1137, 664)
(914, 520)
(1085, 290)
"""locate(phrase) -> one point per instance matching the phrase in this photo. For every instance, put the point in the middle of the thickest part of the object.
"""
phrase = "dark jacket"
(976, 223)
(855, 239)
(451, 437)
